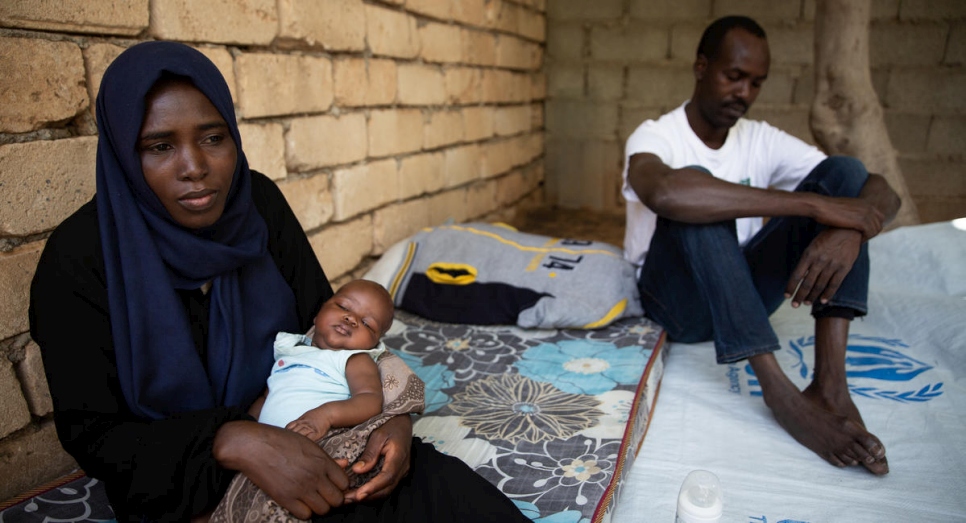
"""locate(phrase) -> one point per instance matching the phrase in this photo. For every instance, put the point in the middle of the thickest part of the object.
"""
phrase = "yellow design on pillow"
(403, 270)
(611, 315)
(451, 273)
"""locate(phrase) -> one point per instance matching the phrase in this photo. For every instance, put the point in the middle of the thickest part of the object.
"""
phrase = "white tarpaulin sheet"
(906, 365)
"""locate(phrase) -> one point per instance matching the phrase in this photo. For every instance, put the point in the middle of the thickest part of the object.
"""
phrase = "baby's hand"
(307, 428)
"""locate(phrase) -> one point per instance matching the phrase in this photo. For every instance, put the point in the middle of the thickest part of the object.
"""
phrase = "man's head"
(714, 34)
(355, 318)
(732, 63)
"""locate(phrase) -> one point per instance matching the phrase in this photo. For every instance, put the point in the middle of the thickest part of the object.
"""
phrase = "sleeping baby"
(327, 386)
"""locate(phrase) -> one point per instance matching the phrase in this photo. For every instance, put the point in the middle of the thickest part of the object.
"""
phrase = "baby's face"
(354, 319)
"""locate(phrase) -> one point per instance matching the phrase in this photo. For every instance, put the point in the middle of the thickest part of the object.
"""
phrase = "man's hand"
(291, 469)
(850, 213)
(393, 441)
(824, 264)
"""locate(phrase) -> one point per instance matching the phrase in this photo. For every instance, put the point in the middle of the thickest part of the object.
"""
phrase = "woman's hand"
(392, 440)
(289, 467)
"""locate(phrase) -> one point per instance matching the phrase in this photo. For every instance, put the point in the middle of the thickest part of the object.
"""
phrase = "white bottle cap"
(700, 499)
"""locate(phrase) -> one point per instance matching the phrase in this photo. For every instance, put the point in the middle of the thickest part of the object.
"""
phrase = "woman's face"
(187, 154)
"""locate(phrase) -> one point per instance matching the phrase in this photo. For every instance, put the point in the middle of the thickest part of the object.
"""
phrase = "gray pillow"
(482, 274)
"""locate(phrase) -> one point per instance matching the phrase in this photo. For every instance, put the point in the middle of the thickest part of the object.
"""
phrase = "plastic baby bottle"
(700, 498)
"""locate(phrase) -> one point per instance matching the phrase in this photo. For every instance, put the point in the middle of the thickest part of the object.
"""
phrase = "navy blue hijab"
(147, 256)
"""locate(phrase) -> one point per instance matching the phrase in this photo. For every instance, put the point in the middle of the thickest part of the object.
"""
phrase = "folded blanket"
(402, 392)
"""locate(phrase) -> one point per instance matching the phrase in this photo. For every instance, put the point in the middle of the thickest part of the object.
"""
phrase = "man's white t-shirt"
(754, 154)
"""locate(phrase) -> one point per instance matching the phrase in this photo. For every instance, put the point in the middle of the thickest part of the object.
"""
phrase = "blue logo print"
(763, 519)
(867, 358)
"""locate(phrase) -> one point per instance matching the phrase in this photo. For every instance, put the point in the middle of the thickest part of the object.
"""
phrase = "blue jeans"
(699, 284)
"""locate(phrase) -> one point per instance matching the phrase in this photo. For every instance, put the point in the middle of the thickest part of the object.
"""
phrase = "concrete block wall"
(375, 118)
(612, 64)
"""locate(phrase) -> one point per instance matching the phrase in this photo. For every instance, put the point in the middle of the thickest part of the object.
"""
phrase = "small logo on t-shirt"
(745, 181)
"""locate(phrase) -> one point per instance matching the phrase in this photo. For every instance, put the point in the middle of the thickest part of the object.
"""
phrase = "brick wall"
(613, 63)
(375, 119)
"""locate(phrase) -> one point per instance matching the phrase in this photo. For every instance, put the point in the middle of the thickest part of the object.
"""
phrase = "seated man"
(698, 181)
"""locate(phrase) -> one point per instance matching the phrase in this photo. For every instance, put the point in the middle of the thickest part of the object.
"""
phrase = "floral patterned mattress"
(554, 418)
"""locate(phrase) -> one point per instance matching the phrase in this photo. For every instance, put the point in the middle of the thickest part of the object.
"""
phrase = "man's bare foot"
(829, 389)
(833, 430)
(842, 405)
(835, 437)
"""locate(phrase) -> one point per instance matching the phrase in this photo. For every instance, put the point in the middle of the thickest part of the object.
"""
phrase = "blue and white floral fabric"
(551, 417)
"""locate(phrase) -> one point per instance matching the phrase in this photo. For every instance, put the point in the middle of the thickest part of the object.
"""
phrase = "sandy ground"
(577, 224)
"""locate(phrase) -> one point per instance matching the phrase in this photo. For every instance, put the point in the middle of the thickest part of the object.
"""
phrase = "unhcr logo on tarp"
(875, 367)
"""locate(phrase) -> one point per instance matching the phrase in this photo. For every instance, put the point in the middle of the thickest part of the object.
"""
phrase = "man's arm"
(830, 256)
(692, 196)
(880, 195)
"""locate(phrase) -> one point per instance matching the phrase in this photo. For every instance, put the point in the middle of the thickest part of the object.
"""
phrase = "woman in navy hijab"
(155, 306)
